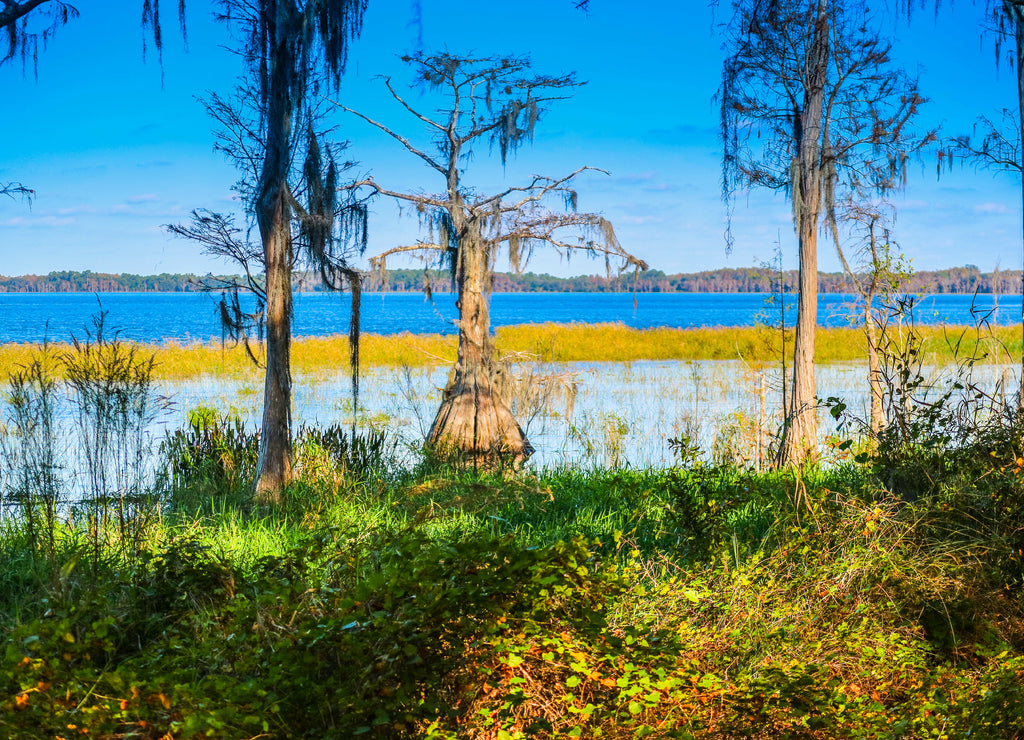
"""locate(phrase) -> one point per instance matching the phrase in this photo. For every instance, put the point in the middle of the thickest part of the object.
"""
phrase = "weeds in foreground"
(77, 442)
(703, 602)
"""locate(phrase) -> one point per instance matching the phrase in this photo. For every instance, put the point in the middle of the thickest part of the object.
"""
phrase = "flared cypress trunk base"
(798, 439)
(475, 426)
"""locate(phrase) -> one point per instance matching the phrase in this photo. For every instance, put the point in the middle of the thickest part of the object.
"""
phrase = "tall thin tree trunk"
(274, 469)
(800, 437)
(273, 215)
(800, 434)
(474, 422)
(1018, 22)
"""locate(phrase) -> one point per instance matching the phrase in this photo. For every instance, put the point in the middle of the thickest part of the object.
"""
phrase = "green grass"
(708, 602)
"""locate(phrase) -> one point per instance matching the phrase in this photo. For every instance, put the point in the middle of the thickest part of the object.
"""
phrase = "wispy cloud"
(90, 169)
(73, 210)
(992, 208)
(146, 128)
(648, 182)
(43, 222)
(638, 219)
(638, 178)
(662, 187)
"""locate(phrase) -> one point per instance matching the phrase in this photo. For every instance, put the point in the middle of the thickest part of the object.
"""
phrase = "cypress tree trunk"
(474, 423)
(1018, 22)
(800, 435)
(273, 215)
(274, 469)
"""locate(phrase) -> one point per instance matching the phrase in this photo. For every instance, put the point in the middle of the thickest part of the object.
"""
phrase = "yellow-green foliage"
(317, 353)
(553, 343)
(620, 343)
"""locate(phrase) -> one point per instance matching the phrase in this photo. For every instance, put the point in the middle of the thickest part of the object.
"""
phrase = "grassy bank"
(881, 600)
(557, 343)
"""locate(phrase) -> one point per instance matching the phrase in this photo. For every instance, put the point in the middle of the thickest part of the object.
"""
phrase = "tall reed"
(32, 448)
(110, 383)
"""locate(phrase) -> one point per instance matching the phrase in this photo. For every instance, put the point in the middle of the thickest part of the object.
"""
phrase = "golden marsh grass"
(549, 343)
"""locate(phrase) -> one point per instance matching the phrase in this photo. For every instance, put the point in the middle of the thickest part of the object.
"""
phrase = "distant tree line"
(71, 281)
(962, 280)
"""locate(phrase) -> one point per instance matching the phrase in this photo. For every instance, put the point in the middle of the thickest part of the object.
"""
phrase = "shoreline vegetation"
(550, 342)
(956, 280)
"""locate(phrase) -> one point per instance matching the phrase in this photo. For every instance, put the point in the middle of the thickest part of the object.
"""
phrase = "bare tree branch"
(397, 137)
(396, 96)
(408, 197)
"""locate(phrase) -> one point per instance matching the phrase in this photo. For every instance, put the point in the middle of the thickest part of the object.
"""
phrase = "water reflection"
(582, 414)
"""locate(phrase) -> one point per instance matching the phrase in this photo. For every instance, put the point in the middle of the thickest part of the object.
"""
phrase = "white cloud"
(640, 178)
(76, 209)
(638, 219)
(33, 222)
(993, 208)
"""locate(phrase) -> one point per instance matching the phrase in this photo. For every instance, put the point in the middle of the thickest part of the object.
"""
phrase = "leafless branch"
(540, 186)
(400, 99)
(397, 137)
(997, 148)
(407, 197)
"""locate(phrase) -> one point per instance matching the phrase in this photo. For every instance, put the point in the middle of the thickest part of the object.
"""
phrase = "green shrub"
(362, 456)
(213, 452)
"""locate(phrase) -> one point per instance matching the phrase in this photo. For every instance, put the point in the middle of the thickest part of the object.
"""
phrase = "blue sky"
(113, 156)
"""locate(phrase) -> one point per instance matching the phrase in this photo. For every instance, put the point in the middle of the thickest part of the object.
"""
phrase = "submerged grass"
(551, 343)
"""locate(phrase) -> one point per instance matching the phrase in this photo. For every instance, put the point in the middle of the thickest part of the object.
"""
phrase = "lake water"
(580, 414)
(575, 414)
(158, 317)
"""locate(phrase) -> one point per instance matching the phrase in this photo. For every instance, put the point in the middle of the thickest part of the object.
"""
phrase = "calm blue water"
(155, 317)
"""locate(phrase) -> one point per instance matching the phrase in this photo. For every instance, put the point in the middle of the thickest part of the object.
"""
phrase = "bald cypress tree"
(812, 105)
(324, 230)
(495, 101)
(999, 144)
(289, 46)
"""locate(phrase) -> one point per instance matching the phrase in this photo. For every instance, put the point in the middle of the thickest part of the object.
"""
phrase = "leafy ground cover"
(700, 601)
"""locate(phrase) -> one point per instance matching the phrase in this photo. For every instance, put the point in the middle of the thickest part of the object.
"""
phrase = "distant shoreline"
(957, 280)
